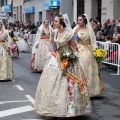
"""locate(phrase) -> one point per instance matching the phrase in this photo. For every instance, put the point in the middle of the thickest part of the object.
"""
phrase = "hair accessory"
(62, 18)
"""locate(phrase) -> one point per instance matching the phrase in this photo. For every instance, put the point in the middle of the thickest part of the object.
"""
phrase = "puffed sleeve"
(8, 38)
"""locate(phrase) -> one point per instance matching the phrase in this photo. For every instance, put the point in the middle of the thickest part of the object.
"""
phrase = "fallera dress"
(6, 68)
(89, 65)
(40, 54)
(58, 95)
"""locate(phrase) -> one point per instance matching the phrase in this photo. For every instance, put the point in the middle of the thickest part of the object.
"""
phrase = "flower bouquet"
(15, 39)
(66, 58)
(13, 47)
(100, 54)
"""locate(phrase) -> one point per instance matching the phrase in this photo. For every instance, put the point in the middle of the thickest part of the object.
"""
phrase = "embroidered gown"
(89, 66)
(40, 54)
(23, 45)
(6, 69)
(58, 95)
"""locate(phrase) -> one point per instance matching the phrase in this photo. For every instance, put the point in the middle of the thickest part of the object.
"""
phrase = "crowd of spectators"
(108, 32)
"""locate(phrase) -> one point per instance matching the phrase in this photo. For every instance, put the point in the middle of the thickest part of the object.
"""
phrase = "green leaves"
(71, 56)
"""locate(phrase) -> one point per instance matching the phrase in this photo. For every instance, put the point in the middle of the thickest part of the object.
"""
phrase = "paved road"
(17, 97)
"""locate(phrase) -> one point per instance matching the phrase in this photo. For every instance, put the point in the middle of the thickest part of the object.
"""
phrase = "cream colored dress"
(89, 66)
(58, 95)
(6, 68)
(40, 56)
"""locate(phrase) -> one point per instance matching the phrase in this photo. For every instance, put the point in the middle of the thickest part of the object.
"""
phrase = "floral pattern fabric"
(6, 69)
(89, 66)
(41, 54)
(58, 95)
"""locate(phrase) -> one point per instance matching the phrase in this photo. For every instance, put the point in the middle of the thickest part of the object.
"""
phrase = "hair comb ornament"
(62, 18)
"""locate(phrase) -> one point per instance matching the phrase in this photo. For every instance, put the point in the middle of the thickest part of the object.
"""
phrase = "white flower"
(67, 53)
(64, 53)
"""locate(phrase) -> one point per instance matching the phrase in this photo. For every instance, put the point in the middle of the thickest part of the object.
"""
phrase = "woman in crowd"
(13, 47)
(62, 90)
(86, 39)
(41, 47)
(23, 44)
(6, 69)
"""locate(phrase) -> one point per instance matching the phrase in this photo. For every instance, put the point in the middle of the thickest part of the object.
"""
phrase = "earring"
(61, 27)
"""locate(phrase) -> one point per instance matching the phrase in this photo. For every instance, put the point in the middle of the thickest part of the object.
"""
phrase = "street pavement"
(17, 96)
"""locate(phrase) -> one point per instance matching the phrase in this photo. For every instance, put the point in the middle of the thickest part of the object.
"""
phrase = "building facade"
(18, 10)
(35, 11)
(97, 8)
(6, 10)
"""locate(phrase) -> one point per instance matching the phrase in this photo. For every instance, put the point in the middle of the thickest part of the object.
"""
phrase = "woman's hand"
(37, 45)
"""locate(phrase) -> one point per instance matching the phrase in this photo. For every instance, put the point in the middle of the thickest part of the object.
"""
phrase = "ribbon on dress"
(81, 42)
(80, 82)
(76, 37)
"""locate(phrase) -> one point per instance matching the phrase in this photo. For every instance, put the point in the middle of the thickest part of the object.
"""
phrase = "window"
(5, 2)
(21, 13)
(40, 16)
(99, 9)
(80, 7)
(26, 0)
(1, 3)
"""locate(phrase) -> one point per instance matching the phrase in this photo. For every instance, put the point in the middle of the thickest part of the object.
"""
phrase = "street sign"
(7, 8)
(54, 4)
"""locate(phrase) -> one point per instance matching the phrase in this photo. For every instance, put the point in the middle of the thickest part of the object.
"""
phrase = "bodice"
(45, 34)
(4, 35)
(84, 36)
(62, 42)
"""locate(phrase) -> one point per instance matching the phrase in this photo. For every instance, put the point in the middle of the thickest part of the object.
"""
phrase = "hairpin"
(62, 17)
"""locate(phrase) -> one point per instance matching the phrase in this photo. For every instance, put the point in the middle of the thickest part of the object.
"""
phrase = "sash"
(80, 81)
(81, 42)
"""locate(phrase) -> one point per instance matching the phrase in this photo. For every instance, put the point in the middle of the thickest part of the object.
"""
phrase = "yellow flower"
(99, 52)
(15, 38)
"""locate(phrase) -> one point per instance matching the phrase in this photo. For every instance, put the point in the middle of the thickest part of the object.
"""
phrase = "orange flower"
(65, 63)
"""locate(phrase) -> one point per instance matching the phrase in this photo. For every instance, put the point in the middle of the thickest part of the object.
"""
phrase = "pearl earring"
(61, 27)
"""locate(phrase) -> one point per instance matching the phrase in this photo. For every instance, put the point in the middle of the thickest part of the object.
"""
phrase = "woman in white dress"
(23, 44)
(41, 47)
(86, 44)
(6, 68)
(62, 90)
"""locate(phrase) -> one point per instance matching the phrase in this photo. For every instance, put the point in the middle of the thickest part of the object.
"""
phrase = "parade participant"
(13, 47)
(6, 69)
(62, 90)
(41, 47)
(23, 44)
(86, 40)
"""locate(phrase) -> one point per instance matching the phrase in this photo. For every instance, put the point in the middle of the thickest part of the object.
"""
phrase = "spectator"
(96, 27)
(73, 25)
(112, 27)
(104, 30)
(118, 22)
(38, 24)
(98, 36)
